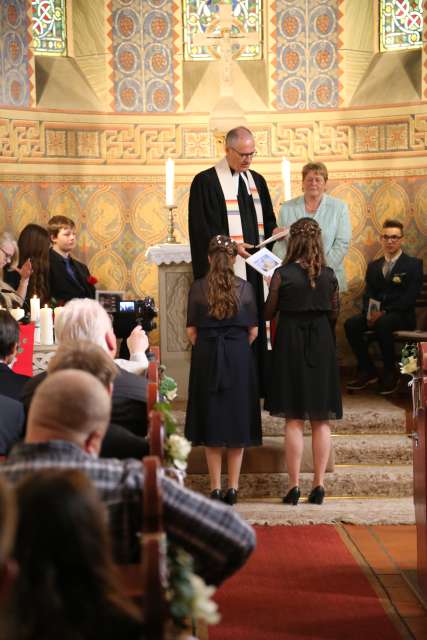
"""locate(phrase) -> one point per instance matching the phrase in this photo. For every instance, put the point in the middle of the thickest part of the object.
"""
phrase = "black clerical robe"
(207, 217)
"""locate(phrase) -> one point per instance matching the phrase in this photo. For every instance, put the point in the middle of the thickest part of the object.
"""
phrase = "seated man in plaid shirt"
(68, 417)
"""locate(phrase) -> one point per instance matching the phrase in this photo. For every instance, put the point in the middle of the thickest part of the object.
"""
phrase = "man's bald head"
(69, 405)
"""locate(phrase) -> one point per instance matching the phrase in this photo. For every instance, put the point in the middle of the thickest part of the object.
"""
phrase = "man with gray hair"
(66, 424)
(86, 319)
(229, 199)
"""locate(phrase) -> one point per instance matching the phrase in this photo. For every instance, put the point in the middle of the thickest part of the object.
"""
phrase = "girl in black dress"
(223, 402)
(305, 381)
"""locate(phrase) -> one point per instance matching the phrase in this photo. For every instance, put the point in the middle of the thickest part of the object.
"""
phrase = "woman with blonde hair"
(10, 296)
(305, 381)
(223, 402)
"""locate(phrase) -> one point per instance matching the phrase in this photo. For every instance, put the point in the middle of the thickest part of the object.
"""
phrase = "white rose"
(179, 448)
(203, 607)
(171, 395)
(410, 365)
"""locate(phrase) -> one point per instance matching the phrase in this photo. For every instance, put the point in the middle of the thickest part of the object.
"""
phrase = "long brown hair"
(222, 297)
(305, 245)
(33, 243)
(67, 579)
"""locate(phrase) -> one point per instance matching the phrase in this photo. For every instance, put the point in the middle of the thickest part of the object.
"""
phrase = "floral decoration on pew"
(177, 448)
(409, 359)
(189, 596)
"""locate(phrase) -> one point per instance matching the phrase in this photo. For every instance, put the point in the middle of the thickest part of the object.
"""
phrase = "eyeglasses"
(391, 238)
(7, 256)
(244, 155)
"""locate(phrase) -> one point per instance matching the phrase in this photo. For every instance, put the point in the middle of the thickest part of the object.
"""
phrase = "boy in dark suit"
(69, 278)
(395, 281)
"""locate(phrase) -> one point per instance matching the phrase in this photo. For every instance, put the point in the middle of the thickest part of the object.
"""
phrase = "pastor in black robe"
(207, 217)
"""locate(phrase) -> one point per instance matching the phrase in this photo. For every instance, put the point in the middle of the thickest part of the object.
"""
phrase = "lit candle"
(46, 325)
(286, 178)
(35, 308)
(18, 314)
(170, 177)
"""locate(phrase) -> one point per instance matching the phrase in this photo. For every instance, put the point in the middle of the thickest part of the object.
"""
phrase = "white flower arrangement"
(409, 361)
(177, 449)
(188, 595)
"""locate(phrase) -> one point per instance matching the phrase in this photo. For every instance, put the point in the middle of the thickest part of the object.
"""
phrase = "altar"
(175, 278)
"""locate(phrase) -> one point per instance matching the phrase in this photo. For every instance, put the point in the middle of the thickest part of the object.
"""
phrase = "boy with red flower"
(69, 278)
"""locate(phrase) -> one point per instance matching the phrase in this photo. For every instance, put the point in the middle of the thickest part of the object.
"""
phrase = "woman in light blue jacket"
(330, 213)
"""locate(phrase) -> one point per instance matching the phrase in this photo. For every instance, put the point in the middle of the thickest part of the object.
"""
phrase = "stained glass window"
(202, 17)
(401, 24)
(49, 27)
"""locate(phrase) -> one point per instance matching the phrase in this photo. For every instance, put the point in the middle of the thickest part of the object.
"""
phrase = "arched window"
(202, 17)
(401, 24)
(49, 27)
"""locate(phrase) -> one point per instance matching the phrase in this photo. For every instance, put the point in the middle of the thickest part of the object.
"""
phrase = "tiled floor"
(390, 552)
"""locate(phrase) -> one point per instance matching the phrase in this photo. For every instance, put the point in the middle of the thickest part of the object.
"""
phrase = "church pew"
(419, 437)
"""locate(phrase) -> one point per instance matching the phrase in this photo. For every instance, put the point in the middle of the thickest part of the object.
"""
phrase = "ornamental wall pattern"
(15, 70)
(330, 138)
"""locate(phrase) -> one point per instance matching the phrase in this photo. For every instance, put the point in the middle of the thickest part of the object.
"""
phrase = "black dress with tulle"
(304, 382)
(223, 407)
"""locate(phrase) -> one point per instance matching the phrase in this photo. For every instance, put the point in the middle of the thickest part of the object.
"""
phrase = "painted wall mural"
(307, 43)
(118, 220)
(143, 50)
(14, 53)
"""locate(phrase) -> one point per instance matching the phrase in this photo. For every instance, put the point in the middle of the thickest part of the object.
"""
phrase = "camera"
(140, 312)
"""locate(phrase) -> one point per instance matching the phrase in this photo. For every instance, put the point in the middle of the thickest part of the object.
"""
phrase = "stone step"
(346, 480)
(367, 511)
(384, 449)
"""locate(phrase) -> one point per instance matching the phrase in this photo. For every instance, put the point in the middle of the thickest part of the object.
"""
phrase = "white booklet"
(373, 307)
(273, 238)
(264, 261)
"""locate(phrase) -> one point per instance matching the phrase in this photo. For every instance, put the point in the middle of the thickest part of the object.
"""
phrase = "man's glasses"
(244, 155)
(391, 238)
(7, 256)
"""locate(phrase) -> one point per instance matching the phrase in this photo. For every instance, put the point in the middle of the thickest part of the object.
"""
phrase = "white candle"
(46, 325)
(35, 308)
(56, 312)
(170, 177)
(286, 178)
(17, 313)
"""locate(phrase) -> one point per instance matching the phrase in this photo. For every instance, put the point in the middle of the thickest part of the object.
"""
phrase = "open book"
(373, 307)
(276, 236)
(264, 261)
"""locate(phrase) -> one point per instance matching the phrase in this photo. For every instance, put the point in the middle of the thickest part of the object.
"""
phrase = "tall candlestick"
(170, 177)
(286, 178)
(35, 308)
(46, 325)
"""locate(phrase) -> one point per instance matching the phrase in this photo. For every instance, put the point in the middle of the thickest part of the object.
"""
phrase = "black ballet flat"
(231, 496)
(292, 496)
(316, 495)
(217, 494)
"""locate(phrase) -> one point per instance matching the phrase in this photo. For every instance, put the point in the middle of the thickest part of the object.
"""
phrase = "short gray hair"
(83, 319)
(235, 134)
(8, 238)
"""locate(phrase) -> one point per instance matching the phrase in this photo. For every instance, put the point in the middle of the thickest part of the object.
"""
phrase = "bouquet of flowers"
(409, 361)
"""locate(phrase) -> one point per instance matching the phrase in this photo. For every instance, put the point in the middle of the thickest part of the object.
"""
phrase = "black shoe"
(363, 380)
(231, 496)
(292, 496)
(316, 495)
(389, 384)
(217, 494)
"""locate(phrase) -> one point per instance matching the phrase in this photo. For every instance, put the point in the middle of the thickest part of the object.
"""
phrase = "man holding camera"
(85, 319)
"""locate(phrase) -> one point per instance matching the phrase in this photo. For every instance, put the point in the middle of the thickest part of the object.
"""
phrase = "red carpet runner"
(301, 582)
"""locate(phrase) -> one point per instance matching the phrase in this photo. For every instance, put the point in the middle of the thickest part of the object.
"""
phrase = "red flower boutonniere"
(92, 280)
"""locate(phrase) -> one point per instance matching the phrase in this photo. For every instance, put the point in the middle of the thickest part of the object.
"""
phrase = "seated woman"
(10, 296)
(66, 583)
(33, 245)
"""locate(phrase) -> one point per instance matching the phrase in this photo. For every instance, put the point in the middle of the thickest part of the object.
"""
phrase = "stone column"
(175, 278)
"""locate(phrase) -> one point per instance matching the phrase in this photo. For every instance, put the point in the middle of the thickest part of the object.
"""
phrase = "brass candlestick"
(171, 225)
